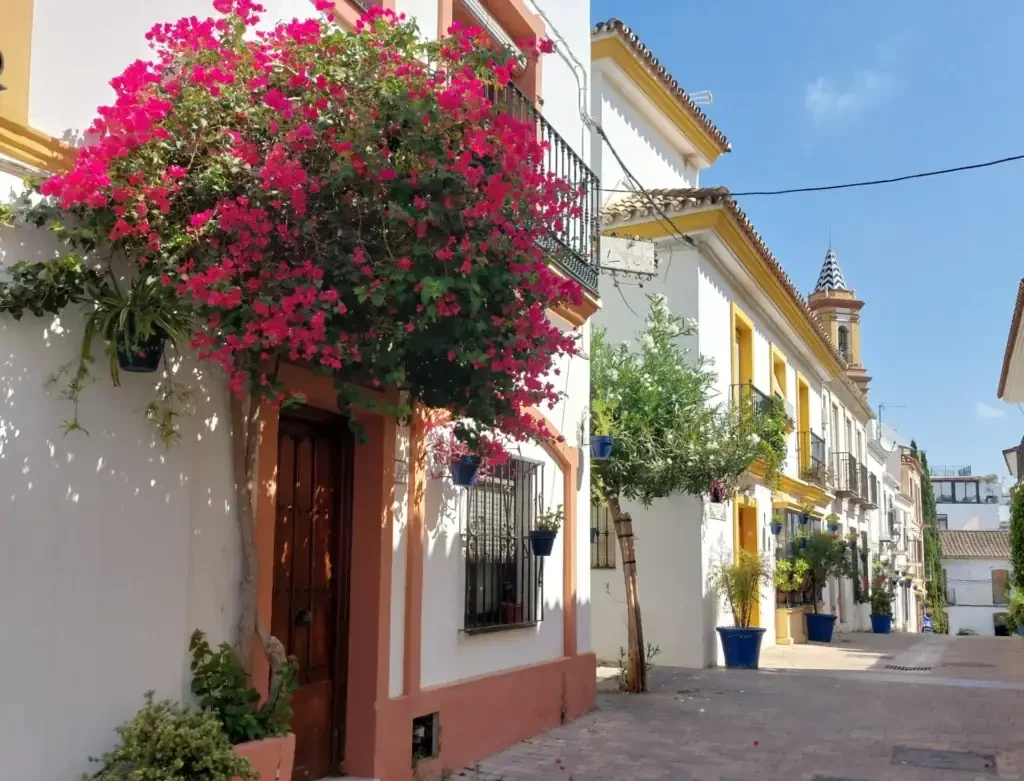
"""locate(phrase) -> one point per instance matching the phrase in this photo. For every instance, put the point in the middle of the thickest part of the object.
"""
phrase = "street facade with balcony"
(763, 340)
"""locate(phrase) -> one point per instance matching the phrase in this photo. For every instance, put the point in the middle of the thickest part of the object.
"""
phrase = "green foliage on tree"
(1017, 539)
(934, 587)
(673, 434)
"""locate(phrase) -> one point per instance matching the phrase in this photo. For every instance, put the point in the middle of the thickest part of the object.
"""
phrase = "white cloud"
(825, 100)
(988, 412)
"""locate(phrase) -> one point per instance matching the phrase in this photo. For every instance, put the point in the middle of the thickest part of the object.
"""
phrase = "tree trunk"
(245, 426)
(636, 666)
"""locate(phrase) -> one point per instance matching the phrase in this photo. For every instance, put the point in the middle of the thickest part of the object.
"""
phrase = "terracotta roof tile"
(639, 207)
(617, 27)
(975, 544)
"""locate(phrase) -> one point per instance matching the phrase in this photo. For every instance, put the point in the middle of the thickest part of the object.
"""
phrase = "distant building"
(976, 574)
(967, 502)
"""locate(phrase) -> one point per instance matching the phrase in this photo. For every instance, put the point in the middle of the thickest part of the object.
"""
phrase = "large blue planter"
(741, 646)
(464, 470)
(600, 447)
(819, 627)
(881, 625)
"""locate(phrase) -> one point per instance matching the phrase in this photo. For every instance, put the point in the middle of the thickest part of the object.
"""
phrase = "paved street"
(832, 713)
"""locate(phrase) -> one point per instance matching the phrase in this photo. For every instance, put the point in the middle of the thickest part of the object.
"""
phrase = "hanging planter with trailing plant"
(833, 523)
(545, 529)
(600, 447)
(143, 356)
(776, 524)
(464, 470)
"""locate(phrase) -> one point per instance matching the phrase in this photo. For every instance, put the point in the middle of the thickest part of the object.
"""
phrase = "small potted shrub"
(825, 558)
(259, 733)
(790, 576)
(740, 582)
(601, 420)
(800, 540)
(881, 608)
(776, 524)
(545, 529)
(833, 523)
(167, 742)
(805, 515)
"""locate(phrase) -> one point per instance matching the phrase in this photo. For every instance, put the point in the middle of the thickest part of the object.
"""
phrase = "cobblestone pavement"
(838, 719)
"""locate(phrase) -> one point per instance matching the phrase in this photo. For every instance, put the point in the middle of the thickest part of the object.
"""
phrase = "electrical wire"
(867, 183)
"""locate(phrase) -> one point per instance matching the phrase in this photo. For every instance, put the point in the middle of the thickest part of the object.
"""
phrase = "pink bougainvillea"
(359, 202)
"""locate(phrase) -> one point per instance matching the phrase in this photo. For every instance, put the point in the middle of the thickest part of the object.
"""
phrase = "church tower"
(837, 309)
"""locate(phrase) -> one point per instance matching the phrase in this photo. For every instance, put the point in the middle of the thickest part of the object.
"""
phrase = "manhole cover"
(906, 669)
(967, 664)
(936, 759)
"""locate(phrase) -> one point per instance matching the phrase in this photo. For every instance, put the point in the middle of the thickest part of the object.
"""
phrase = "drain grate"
(936, 759)
(906, 669)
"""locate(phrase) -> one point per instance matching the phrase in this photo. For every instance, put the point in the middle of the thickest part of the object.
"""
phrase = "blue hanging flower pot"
(833, 527)
(805, 519)
(464, 471)
(600, 447)
(776, 528)
(803, 542)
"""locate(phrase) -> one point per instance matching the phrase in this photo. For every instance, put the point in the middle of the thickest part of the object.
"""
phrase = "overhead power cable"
(867, 183)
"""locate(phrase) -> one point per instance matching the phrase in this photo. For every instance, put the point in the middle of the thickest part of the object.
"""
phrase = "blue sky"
(821, 93)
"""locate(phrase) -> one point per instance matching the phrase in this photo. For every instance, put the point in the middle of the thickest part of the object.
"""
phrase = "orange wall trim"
(482, 716)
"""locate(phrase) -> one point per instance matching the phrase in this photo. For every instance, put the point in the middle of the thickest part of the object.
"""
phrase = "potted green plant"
(825, 558)
(168, 742)
(260, 733)
(832, 519)
(739, 582)
(545, 529)
(776, 524)
(601, 421)
(805, 514)
(800, 540)
(791, 575)
(881, 607)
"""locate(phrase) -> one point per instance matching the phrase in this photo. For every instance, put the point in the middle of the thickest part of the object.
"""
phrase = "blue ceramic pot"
(776, 528)
(542, 541)
(600, 447)
(464, 470)
(819, 627)
(741, 646)
(881, 625)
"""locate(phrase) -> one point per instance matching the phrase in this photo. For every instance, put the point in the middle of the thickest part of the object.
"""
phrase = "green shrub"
(221, 687)
(165, 742)
(965, 632)
(740, 583)
(881, 599)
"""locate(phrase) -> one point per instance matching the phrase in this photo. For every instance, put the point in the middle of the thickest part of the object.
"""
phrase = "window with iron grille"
(503, 577)
(603, 540)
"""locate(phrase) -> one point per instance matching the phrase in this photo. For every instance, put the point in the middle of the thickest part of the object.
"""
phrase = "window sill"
(486, 630)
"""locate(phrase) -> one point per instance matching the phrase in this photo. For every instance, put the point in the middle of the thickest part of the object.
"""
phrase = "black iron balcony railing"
(576, 247)
(812, 458)
(747, 395)
(871, 495)
(847, 475)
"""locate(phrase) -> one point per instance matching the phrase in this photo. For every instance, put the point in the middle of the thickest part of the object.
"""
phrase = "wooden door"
(748, 541)
(311, 580)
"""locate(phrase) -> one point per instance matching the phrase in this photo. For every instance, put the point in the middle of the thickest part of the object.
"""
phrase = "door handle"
(304, 617)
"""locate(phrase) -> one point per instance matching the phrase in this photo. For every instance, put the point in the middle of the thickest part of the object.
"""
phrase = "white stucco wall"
(973, 517)
(971, 579)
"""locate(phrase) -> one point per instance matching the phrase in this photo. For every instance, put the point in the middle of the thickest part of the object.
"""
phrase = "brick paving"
(839, 717)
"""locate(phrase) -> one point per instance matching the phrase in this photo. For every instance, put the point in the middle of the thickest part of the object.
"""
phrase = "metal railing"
(949, 471)
(812, 458)
(576, 247)
(747, 394)
(503, 578)
(847, 475)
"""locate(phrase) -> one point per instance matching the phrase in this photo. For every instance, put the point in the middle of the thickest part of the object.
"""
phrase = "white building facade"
(116, 548)
(762, 336)
(976, 572)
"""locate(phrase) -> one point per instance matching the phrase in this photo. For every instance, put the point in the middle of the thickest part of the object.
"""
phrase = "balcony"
(575, 248)
(847, 476)
(812, 458)
(746, 396)
(871, 495)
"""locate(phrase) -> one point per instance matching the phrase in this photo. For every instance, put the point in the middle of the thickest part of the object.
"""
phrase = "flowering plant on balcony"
(353, 201)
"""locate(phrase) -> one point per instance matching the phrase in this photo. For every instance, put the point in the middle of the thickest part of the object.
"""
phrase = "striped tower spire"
(831, 276)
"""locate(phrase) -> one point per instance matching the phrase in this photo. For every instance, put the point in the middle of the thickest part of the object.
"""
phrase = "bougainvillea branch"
(357, 202)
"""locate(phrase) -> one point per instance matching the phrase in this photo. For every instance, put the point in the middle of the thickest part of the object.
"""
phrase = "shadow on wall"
(115, 547)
